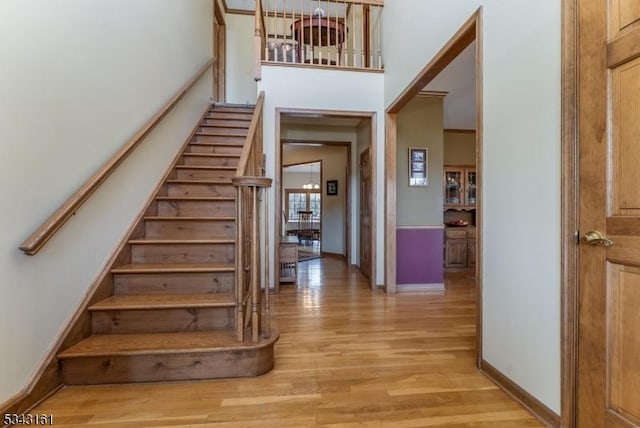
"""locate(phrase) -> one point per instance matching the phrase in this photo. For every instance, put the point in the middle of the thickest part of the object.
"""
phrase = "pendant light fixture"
(310, 184)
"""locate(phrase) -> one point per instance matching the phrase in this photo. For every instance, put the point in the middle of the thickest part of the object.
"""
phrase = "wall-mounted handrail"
(55, 221)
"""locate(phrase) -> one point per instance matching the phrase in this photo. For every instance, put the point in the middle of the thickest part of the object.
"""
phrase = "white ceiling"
(459, 79)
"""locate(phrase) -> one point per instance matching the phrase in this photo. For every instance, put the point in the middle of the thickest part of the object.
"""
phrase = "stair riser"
(209, 161)
(161, 320)
(173, 283)
(204, 174)
(220, 139)
(225, 190)
(167, 367)
(221, 130)
(197, 208)
(221, 150)
(182, 253)
(232, 116)
(245, 109)
(191, 229)
(229, 123)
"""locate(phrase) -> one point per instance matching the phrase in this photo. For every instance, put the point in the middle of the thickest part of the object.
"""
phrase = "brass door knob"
(595, 237)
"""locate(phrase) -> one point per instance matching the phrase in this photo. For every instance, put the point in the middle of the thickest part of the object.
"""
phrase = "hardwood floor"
(346, 357)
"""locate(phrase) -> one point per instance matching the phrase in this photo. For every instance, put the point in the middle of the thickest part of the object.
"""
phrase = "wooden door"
(365, 214)
(608, 392)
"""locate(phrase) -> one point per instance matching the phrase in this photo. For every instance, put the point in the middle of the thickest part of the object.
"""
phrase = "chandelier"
(311, 184)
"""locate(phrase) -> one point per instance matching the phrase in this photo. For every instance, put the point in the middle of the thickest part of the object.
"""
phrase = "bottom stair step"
(120, 358)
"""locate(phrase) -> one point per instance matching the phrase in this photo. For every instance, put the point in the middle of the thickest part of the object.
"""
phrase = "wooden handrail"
(248, 148)
(55, 221)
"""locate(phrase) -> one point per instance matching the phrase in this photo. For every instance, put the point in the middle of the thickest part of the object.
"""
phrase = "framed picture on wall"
(332, 187)
(418, 166)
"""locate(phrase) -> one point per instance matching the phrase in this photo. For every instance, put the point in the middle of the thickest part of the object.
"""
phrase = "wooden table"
(319, 31)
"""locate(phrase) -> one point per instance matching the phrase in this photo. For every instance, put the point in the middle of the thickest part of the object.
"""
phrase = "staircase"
(172, 310)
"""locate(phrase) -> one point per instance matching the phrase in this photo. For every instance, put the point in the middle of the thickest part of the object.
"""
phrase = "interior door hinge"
(576, 237)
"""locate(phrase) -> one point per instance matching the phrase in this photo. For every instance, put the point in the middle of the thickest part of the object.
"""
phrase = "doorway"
(302, 201)
(325, 132)
(468, 33)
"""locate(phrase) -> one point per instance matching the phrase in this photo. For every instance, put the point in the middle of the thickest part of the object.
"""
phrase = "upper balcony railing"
(331, 33)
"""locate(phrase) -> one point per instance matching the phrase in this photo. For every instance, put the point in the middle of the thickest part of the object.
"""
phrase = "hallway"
(346, 357)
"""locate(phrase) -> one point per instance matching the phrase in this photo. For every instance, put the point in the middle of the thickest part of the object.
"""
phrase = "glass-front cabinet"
(453, 187)
(460, 187)
(470, 194)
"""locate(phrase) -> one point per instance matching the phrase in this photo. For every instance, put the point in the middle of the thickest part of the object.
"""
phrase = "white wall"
(521, 155)
(77, 79)
(327, 90)
(241, 85)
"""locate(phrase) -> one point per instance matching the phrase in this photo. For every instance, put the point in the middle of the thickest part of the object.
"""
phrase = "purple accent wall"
(419, 256)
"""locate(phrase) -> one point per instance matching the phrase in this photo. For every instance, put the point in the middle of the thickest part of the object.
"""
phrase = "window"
(302, 200)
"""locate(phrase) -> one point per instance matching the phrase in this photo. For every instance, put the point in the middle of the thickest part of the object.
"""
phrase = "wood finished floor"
(346, 357)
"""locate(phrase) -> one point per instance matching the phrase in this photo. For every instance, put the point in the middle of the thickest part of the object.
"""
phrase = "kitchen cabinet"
(460, 187)
(460, 248)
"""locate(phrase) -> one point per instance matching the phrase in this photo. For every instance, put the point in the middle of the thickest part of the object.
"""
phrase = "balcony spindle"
(353, 27)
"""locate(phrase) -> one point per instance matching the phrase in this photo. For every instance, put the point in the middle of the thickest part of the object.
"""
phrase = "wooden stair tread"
(164, 301)
(196, 198)
(234, 106)
(106, 345)
(207, 167)
(236, 116)
(209, 143)
(212, 155)
(176, 218)
(240, 125)
(180, 241)
(185, 181)
(175, 268)
(221, 133)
